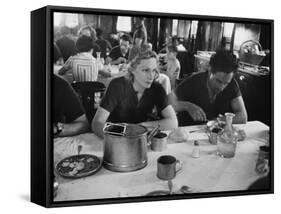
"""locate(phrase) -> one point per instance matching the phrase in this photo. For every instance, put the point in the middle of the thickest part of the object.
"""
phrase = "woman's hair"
(223, 61)
(92, 30)
(141, 55)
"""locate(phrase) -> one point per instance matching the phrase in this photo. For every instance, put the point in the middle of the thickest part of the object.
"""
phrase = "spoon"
(170, 185)
(197, 130)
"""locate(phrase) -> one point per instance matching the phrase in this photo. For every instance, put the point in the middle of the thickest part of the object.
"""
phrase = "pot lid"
(124, 129)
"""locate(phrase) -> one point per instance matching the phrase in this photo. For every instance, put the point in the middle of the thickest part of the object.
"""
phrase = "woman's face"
(86, 32)
(138, 41)
(145, 72)
(124, 46)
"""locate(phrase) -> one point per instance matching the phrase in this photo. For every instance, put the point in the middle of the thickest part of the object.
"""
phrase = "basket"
(251, 52)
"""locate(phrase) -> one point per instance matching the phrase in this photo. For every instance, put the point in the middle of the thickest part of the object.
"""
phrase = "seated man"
(83, 66)
(119, 54)
(205, 95)
(105, 45)
(68, 114)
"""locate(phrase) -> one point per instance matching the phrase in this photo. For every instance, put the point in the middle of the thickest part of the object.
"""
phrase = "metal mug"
(167, 167)
(159, 142)
(213, 135)
(262, 164)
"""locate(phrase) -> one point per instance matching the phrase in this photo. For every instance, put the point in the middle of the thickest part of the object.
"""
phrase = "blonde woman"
(132, 98)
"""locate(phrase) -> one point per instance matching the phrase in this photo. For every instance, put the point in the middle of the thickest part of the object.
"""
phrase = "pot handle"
(153, 132)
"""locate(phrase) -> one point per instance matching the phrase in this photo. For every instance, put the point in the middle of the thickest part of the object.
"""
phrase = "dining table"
(207, 173)
(115, 71)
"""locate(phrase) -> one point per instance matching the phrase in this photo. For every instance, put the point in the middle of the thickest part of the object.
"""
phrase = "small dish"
(78, 166)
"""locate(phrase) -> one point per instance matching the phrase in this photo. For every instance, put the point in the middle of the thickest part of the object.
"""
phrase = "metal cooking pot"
(125, 146)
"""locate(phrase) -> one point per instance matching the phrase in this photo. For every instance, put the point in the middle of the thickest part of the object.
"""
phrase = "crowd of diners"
(139, 97)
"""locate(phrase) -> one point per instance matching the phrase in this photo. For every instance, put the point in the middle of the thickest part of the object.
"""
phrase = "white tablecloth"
(209, 173)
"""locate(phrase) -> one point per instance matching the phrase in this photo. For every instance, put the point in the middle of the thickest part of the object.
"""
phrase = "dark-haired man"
(120, 54)
(205, 95)
(105, 45)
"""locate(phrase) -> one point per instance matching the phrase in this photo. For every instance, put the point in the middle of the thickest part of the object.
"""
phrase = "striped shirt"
(84, 67)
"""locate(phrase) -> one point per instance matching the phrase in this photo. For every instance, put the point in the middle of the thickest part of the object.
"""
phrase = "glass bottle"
(99, 61)
(227, 140)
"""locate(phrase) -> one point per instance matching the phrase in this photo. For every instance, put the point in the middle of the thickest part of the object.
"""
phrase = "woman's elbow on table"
(173, 123)
(97, 128)
(171, 117)
(98, 121)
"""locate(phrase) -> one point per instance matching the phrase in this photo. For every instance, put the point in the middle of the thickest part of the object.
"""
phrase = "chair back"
(90, 94)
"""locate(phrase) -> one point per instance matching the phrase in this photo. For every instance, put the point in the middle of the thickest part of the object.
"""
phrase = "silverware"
(197, 130)
(153, 132)
(170, 185)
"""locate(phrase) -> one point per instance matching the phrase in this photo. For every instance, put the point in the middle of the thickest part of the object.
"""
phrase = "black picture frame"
(41, 104)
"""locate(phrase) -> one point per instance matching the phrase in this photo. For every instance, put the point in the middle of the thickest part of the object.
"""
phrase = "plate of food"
(78, 166)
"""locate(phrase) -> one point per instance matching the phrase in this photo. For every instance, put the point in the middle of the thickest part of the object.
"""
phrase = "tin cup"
(159, 142)
(263, 152)
(167, 167)
(262, 164)
(213, 134)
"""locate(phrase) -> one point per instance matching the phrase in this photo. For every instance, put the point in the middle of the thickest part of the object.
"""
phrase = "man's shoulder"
(116, 48)
(195, 77)
(194, 80)
(84, 55)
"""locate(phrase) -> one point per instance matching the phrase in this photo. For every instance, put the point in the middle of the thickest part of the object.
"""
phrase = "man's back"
(83, 66)
(67, 47)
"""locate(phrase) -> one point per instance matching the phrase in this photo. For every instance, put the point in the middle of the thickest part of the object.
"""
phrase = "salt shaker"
(196, 150)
